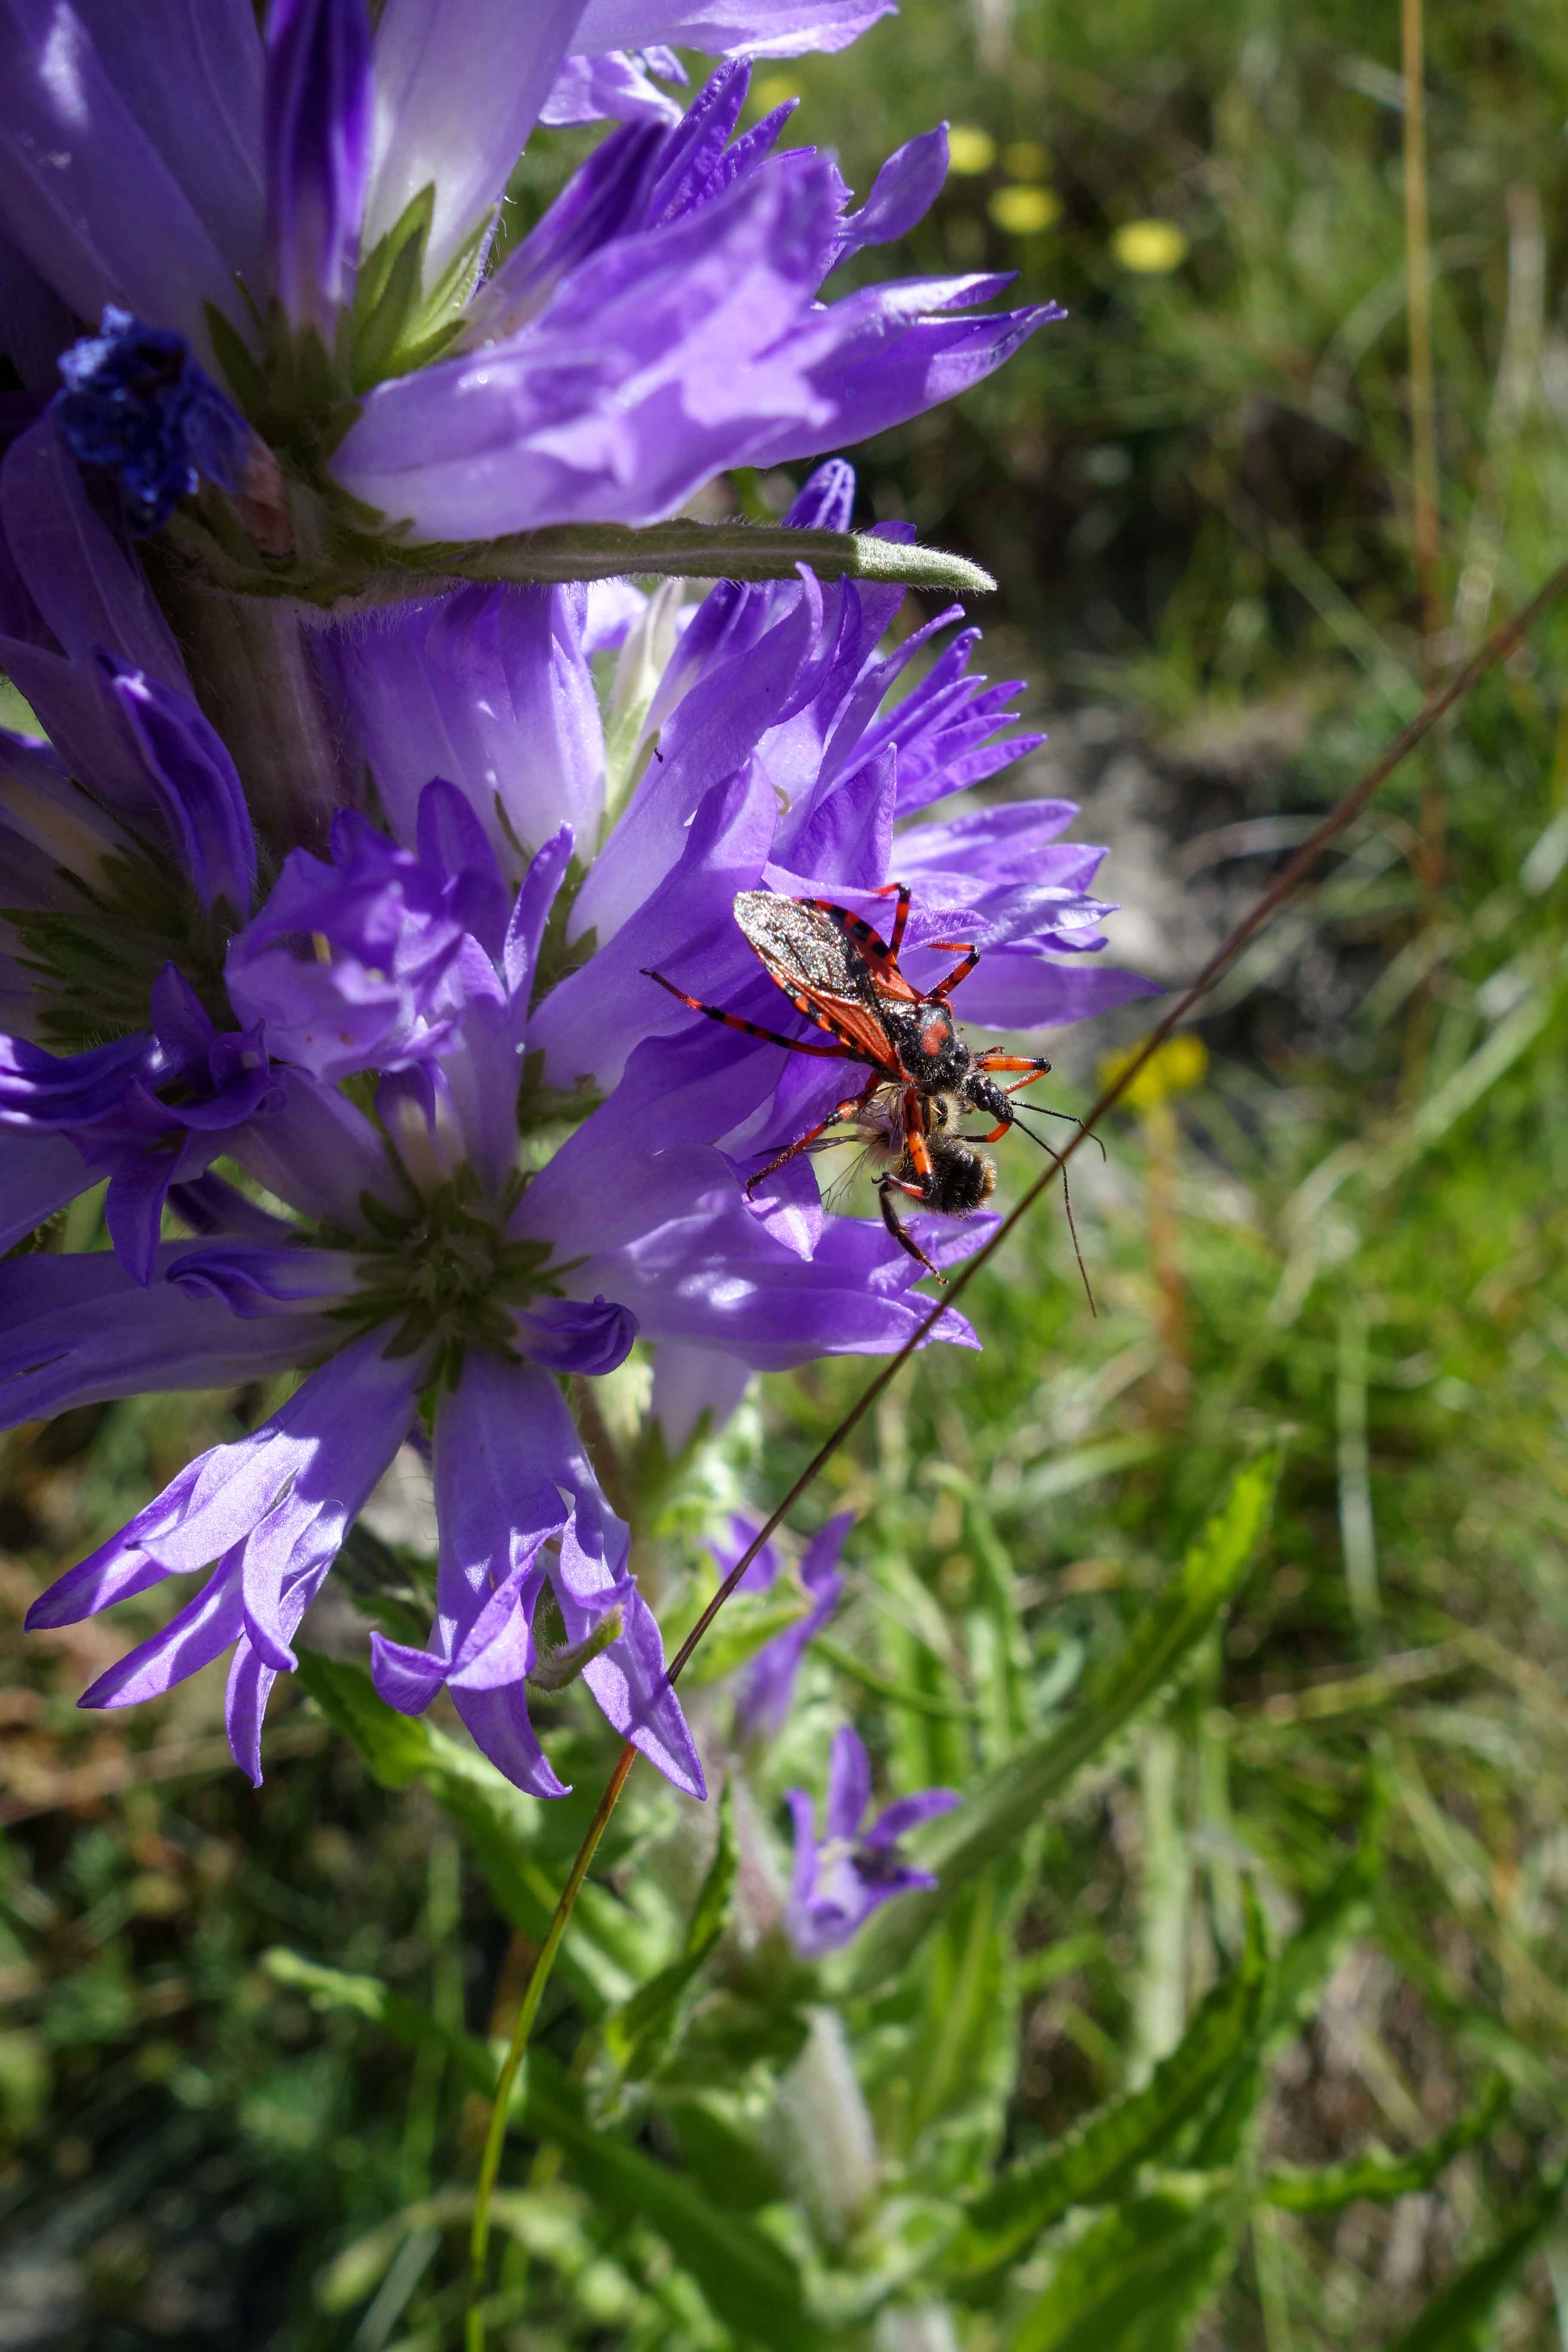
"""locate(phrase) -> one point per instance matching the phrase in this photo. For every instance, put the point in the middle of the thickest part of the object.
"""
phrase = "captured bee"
(841, 974)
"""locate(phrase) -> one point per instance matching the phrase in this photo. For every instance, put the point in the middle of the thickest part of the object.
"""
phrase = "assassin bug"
(840, 973)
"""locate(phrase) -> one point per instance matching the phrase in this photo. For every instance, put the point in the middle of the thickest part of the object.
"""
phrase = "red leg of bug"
(750, 1028)
(846, 1109)
(994, 1059)
(901, 1233)
(901, 916)
(961, 970)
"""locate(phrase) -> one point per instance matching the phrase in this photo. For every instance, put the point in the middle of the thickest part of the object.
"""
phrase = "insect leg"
(902, 915)
(962, 970)
(749, 1028)
(912, 1115)
(846, 1109)
(994, 1059)
(886, 1190)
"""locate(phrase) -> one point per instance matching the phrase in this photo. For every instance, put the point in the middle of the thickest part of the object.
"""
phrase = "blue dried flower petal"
(138, 403)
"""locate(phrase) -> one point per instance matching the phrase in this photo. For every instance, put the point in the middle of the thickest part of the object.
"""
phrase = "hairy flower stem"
(250, 665)
(1498, 647)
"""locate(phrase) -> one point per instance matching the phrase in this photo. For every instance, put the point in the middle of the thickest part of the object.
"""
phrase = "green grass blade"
(1097, 2161)
(1010, 1803)
(1136, 2279)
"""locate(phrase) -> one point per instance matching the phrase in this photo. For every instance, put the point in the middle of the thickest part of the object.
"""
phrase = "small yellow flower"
(1151, 247)
(970, 149)
(1174, 1068)
(772, 90)
(1025, 158)
(1024, 212)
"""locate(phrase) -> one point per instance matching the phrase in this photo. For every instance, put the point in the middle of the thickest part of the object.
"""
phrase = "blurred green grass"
(1195, 493)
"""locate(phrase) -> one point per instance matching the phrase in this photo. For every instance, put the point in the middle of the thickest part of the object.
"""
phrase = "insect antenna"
(1040, 1111)
(1067, 1198)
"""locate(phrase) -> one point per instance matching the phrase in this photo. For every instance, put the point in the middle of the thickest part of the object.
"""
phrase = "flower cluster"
(356, 1026)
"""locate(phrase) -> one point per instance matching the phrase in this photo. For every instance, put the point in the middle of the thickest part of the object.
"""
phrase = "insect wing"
(807, 954)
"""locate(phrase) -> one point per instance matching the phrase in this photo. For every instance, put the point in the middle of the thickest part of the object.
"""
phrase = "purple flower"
(131, 854)
(164, 162)
(136, 402)
(662, 321)
(766, 1686)
(850, 1872)
(439, 1267)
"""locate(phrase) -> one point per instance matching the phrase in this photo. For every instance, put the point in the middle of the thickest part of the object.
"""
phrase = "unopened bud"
(820, 2132)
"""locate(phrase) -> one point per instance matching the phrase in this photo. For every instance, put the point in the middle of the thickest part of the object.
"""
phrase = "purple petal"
(566, 1336)
(694, 1388)
(77, 1329)
(525, 932)
(189, 772)
(1018, 988)
(318, 118)
(86, 583)
(192, 1639)
(85, 192)
(611, 87)
(38, 1174)
(455, 103)
(665, 356)
(588, 1025)
(772, 28)
(254, 1280)
(319, 1153)
(767, 1687)
(191, 73)
(903, 192)
(848, 1785)
(907, 1814)
(491, 689)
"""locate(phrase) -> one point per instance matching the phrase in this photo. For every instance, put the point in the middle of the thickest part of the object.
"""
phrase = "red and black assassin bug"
(842, 974)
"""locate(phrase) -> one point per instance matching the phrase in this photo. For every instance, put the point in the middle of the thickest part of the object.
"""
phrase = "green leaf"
(1137, 2277)
(380, 327)
(1010, 1803)
(396, 1746)
(1323, 2188)
(1459, 2319)
(367, 1997)
(730, 2168)
(687, 550)
(637, 2036)
(751, 2283)
(1096, 2161)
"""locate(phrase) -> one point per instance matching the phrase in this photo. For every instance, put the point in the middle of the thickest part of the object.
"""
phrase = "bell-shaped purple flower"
(852, 1870)
(766, 1686)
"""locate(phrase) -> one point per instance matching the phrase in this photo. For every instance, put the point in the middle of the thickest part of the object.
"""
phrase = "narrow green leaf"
(1136, 2279)
(751, 2283)
(686, 550)
(367, 1997)
(1459, 2318)
(396, 1746)
(1097, 2161)
(1011, 1801)
(1323, 2188)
